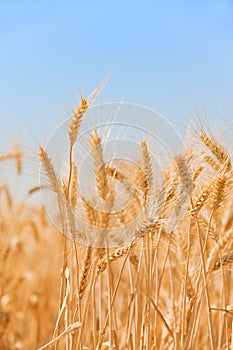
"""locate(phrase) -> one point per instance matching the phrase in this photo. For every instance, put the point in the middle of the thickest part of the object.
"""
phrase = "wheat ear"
(201, 198)
(218, 191)
(172, 187)
(73, 132)
(217, 149)
(197, 173)
(49, 170)
(147, 169)
(184, 172)
(17, 155)
(85, 272)
(113, 256)
(100, 170)
(211, 161)
(76, 120)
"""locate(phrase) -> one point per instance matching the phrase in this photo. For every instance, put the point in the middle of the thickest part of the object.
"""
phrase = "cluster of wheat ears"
(167, 289)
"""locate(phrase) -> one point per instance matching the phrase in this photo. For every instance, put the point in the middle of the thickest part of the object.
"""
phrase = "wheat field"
(169, 288)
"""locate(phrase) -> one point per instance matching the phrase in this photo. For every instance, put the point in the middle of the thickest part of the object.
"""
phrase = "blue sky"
(166, 55)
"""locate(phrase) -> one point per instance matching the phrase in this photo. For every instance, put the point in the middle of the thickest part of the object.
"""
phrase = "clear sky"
(167, 55)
